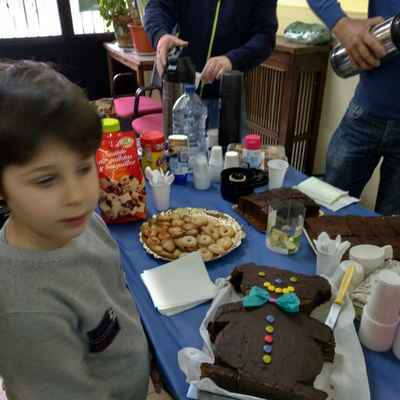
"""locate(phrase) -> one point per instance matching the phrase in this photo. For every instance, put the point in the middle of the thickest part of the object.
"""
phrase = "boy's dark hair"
(37, 104)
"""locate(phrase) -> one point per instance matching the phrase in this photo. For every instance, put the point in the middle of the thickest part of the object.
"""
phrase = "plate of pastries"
(175, 233)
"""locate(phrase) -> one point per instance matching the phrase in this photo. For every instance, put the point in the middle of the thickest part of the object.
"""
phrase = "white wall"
(338, 91)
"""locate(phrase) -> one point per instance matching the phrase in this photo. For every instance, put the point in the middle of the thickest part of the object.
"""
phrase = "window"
(29, 18)
(40, 18)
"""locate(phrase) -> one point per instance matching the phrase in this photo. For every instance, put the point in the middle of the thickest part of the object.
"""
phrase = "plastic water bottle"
(189, 118)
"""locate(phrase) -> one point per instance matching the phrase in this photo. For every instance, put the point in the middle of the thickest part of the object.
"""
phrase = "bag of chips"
(122, 184)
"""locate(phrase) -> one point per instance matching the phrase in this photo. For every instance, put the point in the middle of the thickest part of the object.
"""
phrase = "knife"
(337, 304)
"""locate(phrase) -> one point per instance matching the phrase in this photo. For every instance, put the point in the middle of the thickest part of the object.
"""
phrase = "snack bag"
(122, 185)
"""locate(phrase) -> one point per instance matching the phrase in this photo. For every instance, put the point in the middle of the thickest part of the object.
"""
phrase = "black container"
(180, 72)
(230, 108)
(238, 182)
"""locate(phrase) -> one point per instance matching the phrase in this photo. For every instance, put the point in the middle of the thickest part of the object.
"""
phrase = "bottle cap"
(252, 142)
(110, 125)
(190, 88)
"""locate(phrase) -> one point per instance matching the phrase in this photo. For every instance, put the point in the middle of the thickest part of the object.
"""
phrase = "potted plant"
(118, 13)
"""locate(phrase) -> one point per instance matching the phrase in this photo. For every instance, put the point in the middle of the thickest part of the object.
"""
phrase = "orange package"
(122, 185)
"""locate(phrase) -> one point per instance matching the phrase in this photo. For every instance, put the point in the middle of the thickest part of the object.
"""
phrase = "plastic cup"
(376, 336)
(161, 194)
(384, 304)
(327, 264)
(276, 173)
(396, 343)
(338, 275)
(201, 172)
(285, 226)
(370, 256)
(231, 159)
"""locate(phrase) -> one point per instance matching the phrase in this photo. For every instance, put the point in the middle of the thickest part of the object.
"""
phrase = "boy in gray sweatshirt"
(69, 328)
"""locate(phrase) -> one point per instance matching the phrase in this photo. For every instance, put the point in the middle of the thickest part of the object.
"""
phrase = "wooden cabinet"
(284, 99)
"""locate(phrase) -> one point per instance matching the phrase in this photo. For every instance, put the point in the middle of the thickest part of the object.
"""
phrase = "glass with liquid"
(285, 226)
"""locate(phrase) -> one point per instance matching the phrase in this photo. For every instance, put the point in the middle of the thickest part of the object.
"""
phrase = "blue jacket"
(379, 88)
(245, 32)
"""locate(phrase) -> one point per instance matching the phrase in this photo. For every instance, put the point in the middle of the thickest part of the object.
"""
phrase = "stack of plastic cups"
(380, 316)
(216, 164)
(201, 172)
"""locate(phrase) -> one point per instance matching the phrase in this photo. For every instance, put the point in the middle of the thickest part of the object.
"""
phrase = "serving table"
(168, 335)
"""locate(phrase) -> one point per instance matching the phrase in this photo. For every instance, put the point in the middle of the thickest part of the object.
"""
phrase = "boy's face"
(51, 198)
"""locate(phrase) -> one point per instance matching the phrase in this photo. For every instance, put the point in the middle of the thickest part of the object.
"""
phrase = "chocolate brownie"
(269, 353)
(358, 229)
(254, 207)
(311, 290)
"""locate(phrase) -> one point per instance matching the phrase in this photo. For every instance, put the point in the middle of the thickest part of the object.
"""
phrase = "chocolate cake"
(311, 290)
(254, 207)
(358, 229)
(267, 352)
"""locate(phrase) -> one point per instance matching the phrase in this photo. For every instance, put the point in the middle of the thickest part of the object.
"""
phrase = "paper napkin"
(325, 194)
(179, 285)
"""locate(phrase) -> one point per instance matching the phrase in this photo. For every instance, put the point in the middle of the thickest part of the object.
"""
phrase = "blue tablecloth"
(170, 334)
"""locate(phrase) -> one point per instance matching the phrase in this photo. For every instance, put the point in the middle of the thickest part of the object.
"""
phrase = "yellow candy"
(278, 290)
(267, 284)
(291, 288)
(267, 359)
(269, 329)
(293, 279)
(261, 273)
(285, 290)
(271, 288)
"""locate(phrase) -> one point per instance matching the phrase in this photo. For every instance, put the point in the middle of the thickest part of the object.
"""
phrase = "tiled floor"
(152, 395)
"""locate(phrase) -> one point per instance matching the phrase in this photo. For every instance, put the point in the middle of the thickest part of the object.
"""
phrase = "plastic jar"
(252, 152)
(153, 148)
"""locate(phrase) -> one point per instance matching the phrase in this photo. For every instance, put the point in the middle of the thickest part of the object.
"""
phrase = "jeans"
(356, 149)
(213, 115)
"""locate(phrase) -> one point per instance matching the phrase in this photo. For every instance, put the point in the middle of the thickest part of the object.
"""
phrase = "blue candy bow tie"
(289, 302)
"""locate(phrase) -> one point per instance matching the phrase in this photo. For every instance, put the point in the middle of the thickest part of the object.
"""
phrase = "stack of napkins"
(325, 194)
(179, 285)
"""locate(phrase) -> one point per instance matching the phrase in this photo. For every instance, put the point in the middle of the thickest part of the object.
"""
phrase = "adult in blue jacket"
(370, 129)
(244, 37)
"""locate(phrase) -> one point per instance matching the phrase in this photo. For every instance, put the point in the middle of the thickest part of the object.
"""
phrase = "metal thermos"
(230, 108)
(388, 33)
(180, 72)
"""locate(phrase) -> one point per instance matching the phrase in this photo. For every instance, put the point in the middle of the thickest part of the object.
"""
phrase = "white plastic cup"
(201, 172)
(276, 173)
(231, 159)
(370, 256)
(161, 194)
(376, 336)
(396, 343)
(327, 264)
(338, 275)
(384, 303)
(211, 140)
(216, 164)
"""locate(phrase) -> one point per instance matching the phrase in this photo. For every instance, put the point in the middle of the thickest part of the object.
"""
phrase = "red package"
(122, 184)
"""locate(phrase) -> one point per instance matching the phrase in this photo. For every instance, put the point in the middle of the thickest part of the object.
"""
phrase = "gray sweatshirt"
(69, 328)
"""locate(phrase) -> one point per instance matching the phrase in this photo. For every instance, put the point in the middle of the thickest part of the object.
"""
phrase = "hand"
(363, 48)
(155, 376)
(164, 45)
(214, 69)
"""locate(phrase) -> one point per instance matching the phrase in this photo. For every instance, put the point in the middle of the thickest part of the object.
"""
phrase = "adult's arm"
(363, 48)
